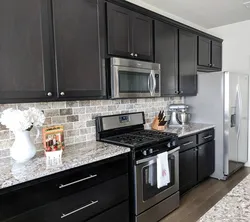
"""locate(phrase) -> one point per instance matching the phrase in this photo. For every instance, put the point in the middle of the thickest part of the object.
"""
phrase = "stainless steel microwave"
(133, 79)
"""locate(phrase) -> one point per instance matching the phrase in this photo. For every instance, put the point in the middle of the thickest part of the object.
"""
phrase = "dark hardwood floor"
(200, 199)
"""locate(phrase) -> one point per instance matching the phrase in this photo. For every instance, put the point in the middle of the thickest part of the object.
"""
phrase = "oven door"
(146, 192)
(128, 82)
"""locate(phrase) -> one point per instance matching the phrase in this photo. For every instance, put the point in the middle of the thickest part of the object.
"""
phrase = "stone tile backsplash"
(77, 117)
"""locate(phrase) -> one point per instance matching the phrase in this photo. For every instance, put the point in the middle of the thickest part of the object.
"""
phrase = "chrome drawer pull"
(81, 208)
(188, 143)
(77, 181)
(207, 137)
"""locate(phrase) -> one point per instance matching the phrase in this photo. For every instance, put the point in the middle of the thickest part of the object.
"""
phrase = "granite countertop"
(12, 173)
(234, 207)
(189, 129)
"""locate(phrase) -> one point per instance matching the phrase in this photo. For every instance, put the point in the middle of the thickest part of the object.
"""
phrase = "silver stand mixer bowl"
(179, 115)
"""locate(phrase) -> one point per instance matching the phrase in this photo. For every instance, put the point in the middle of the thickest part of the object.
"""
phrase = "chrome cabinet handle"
(207, 137)
(188, 143)
(81, 208)
(62, 93)
(49, 94)
(132, 54)
(77, 181)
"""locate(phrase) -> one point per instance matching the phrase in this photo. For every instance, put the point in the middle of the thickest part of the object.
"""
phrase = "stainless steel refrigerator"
(222, 100)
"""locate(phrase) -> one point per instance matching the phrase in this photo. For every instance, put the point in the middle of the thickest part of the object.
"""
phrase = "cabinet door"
(216, 55)
(119, 30)
(78, 31)
(204, 49)
(188, 169)
(119, 213)
(142, 37)
(187, 63)
(206, 160)
(26, 59)
(166, 53)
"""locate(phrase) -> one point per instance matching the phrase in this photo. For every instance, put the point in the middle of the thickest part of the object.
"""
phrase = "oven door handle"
(155, 157)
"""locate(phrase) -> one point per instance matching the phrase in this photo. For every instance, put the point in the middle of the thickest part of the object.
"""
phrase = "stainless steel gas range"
(149, 204)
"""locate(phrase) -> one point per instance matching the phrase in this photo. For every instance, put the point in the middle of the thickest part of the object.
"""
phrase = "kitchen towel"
(163, 177)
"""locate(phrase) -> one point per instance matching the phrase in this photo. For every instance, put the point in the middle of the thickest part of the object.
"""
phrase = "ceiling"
(206, 13)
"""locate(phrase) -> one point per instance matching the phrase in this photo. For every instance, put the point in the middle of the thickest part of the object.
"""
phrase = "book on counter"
(53, 138)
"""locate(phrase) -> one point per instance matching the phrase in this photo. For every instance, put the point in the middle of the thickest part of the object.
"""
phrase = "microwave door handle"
(154, 80)
(150, 83)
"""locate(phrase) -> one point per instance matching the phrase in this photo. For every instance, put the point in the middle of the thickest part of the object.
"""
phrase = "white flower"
(17, 120)
(35, 116)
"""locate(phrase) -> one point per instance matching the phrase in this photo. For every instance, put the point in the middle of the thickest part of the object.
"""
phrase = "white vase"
(23, 148)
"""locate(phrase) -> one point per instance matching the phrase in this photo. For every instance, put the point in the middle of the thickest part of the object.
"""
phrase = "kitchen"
(104, 70)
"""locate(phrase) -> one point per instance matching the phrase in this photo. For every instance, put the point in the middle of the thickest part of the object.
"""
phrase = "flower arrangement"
(17, 120)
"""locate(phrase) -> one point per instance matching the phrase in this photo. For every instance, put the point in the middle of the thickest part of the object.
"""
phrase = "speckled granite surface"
(12, 173)
(234, 207)
(189, 129)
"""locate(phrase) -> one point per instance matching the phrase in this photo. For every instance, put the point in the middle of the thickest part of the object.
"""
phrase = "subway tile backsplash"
(77, 117)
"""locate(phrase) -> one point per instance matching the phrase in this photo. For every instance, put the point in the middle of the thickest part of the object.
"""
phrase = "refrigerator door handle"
(238, 115)
(240, 111)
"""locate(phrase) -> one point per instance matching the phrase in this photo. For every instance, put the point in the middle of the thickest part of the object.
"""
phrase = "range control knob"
(173, 143)
(150, 150)
(169, 144)
(144, 152)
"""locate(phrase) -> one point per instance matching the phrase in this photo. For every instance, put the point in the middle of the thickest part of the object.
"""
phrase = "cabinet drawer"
(82, 205)
(119, 213)
(63, 184)
(206, 136)
(188, 142)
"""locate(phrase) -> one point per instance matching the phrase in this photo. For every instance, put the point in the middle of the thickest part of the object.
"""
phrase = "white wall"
(236, 46)
(236, 51)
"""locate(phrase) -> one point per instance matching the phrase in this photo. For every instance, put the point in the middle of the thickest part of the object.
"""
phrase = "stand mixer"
(179, 115)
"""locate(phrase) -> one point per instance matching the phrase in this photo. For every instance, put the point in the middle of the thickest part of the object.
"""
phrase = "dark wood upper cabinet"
(204, 48)
(130, 34)
(187, 63)
(206, 160)
(142, 37)
(216, 55)
(79, 34)
(26, 52)
(166, 54)
(209, 54)
(119, 30)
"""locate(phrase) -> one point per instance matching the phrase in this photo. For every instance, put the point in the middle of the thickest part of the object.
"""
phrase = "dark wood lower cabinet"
(206, 160)
(103, 195)
(197, 159)
(118, 213)
(188, 169)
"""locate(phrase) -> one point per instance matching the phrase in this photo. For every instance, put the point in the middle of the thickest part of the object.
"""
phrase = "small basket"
(53, 158)
(155, 125)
